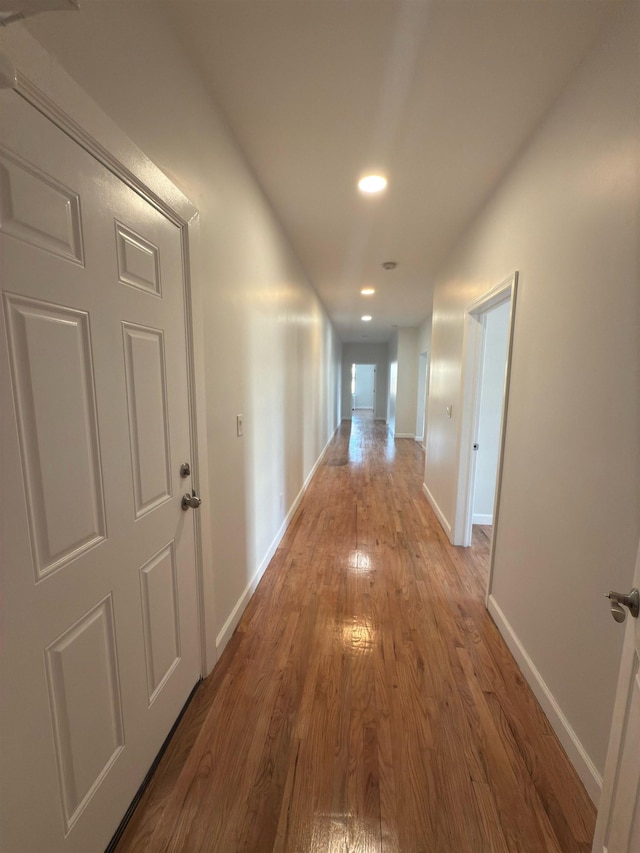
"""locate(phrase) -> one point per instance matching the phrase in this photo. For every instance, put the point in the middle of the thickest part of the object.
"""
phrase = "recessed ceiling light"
(366, 318)
(367, 291)
(372, 184)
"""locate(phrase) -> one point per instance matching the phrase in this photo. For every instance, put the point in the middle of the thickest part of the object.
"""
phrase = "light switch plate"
(240, 425)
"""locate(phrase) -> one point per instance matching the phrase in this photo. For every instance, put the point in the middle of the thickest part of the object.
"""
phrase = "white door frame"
(471, 375)
(28, 69)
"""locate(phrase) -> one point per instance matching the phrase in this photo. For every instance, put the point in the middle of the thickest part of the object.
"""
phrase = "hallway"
(366, 701)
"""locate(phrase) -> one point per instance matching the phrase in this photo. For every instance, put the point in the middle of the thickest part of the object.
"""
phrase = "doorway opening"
(489, 415)
(488, 343)
(363, 389)
(423, 396)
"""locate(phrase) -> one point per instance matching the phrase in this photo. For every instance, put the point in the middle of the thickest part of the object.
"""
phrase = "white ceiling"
(440, 96)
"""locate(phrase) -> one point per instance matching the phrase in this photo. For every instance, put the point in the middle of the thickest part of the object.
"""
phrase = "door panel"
(83, 685)
(138, 260)
(618, 825)
(160, 608)
(624, 834)
(37, 209)
(99, 645)
(52, 377)
(144, 358)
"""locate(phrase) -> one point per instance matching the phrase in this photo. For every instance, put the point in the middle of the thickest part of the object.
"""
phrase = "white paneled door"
(618, 826)
(99, 625)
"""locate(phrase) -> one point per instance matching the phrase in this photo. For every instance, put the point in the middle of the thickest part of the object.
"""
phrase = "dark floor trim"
(128, 814)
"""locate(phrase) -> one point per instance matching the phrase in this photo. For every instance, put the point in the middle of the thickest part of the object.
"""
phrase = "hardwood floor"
(366, 701)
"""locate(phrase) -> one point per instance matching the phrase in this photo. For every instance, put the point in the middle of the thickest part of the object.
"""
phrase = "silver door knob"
(618, 599)
(191, 501)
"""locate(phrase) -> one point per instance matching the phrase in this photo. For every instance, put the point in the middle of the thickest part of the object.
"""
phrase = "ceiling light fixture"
(366, 318)
(367, 291)
(372, 184)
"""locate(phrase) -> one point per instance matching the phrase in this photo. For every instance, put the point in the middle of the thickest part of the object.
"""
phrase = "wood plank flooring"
(366, 701)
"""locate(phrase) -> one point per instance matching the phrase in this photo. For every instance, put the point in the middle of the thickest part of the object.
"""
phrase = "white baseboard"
(478, 518)
(403, 435)
(234, 617)
(578, 756)
(439, 514)
(418, 438)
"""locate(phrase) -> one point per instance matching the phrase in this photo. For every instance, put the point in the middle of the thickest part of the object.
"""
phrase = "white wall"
(407, 384)
(567, 218)
(355, 353)
(393, 382)
(271, 352)
(494, 360)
